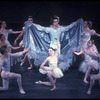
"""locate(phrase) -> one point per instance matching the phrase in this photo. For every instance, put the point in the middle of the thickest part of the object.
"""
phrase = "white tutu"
(85, 64)
(57, 73)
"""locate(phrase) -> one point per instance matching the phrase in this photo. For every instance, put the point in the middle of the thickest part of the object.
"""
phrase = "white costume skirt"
(85, 64)
(57, 73)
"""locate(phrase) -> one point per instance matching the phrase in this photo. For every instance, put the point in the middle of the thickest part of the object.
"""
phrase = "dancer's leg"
(18, 77)
(5, 85)
(92, 81)
(87, 74)
(52, 81)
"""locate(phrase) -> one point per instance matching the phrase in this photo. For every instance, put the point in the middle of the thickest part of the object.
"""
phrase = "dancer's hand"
(73, 49)
(82, 49)
(25, 50)
(49, 70)
(55, 38)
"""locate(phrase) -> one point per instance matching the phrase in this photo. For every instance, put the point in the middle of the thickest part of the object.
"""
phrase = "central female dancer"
(52, 71)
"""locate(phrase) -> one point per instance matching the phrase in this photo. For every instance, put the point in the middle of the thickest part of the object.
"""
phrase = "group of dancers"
(56, 45)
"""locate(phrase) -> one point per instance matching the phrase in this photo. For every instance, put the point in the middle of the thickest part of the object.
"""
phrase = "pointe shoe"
(29, 67)
(54, 88)
(85, 81)
(38, 82)
(22, 91)
(88, 92)
(21, 63)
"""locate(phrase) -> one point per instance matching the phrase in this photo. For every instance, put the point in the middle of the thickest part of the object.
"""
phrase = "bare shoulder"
(48, 58)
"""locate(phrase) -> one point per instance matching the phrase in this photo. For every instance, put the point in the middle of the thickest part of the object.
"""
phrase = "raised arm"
(58, 47)
(65, 28)
(42, 28)
(16, 32)
(19, 36)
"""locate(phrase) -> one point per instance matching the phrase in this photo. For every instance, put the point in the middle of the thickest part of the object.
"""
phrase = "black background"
(15, 13)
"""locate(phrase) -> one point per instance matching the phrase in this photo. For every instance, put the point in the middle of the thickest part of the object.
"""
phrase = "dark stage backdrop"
(15, 13)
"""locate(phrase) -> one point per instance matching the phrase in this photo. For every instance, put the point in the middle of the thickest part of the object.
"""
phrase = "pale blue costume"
(13, 59)
(37, 38)
(6, 35)
(88, 61)
(86, 37)
(5, 62)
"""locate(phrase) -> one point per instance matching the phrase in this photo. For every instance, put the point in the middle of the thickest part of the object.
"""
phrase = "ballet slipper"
(88, 92)
(54, 88)
(22, 91)
(29, 67)
(85, 81)
(38, 82)
(21, 63)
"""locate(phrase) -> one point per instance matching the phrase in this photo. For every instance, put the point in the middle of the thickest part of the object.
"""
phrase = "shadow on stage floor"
(70, 86)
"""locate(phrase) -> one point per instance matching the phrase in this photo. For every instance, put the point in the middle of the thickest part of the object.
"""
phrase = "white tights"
(9, 75)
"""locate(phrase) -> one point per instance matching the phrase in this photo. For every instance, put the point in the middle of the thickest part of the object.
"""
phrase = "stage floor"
(70, 86)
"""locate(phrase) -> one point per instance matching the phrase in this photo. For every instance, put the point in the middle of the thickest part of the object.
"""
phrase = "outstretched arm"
(97, 34)
(42, 28)
(94, 55)
(16, 32)
(19, 53)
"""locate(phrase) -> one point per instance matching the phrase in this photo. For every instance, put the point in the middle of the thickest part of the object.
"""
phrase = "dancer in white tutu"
(88, 63)
(52, 71)
(94, 77)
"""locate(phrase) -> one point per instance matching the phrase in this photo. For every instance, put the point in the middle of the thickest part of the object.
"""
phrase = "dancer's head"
(30, 19)
(55, 20)
(87, 24)
(3, 24)
(3, 49)
(2, 37)
(90, 43)
(51, 51)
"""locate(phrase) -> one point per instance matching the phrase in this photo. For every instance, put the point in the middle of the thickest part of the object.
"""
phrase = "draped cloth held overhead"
(38, 40)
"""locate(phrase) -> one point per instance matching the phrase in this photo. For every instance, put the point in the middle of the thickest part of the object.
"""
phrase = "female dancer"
(5, 31)
(52, 71)
(88, 63)
(94, 77)
(4, 42)
(30, 19)
(5, 67)
(88, 32)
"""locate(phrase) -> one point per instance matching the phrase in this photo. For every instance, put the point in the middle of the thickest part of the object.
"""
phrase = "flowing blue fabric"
(39, 39)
